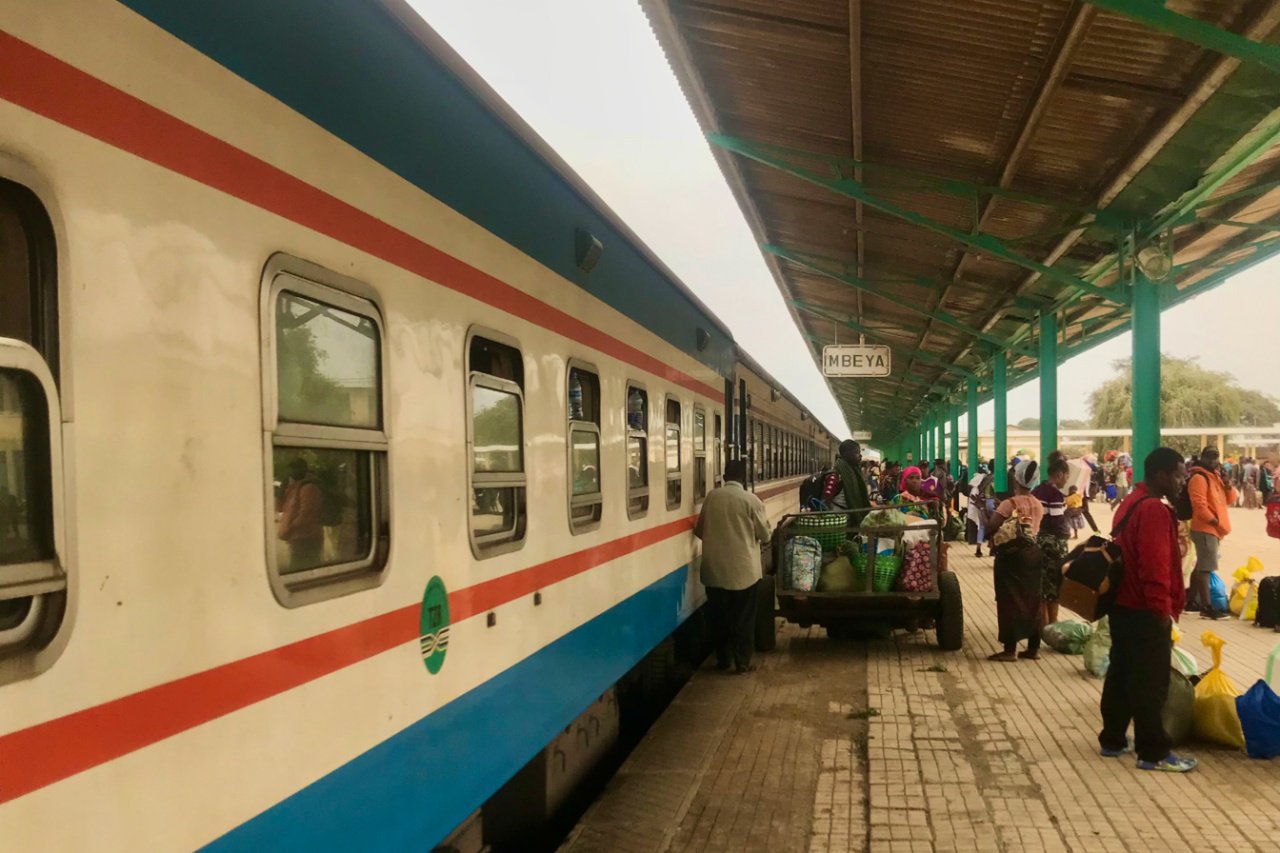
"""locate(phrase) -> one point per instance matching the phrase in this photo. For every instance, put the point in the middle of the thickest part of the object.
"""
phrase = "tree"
(1190, 396)
(1028, 423)
(1072, 423)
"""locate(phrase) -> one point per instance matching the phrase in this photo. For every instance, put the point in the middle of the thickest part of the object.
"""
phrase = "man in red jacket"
(1150, 598)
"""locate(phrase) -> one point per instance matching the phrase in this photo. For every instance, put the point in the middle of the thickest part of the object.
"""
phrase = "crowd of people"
(1181, 505)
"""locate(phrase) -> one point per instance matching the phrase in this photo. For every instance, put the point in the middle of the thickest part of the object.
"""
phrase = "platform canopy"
(959, 179)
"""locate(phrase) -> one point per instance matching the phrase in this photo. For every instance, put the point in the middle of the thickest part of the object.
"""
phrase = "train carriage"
(351, 445)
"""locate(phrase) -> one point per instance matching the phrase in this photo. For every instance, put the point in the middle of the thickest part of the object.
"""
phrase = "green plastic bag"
(1067, 636)
(1097, 650)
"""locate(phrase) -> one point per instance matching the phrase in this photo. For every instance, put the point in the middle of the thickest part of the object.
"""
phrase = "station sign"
(861, 435)
(856, 360)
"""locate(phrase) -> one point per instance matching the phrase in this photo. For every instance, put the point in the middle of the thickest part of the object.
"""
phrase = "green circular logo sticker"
(433, 625)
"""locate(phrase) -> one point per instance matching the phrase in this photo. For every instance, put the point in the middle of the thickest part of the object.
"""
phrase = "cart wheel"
(766, 626)
(950, 613)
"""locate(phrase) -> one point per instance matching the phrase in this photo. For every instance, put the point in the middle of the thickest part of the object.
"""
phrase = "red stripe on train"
(48, 752)
(46, 85)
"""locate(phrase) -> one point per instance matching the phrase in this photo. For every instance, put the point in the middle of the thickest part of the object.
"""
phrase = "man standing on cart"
(845, 489)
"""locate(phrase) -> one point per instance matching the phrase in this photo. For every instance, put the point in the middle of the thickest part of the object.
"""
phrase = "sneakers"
(1169, 764)
(1116, 753)
(1209, 613)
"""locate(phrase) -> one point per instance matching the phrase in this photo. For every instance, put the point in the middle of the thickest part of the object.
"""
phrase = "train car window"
(33, 576)
(699, 454)
(757, 441)
(673, 453)
(585, 501)
(637, 451)
(328, 525)
(718, 450)
(495, 424)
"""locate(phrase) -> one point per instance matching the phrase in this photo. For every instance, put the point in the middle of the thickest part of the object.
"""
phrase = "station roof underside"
(937, 176)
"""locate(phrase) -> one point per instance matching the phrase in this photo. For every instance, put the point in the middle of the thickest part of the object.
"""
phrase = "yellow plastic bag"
(1239, 595)
(1214, 717)
(1248, 570)
(1250, 610)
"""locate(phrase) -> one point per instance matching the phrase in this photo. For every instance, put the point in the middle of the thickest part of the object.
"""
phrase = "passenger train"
(349, 445)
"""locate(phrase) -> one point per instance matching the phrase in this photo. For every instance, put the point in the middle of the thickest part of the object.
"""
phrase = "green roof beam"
(858, 191)
(1253, 145)
(816, 263)
(1154, 14)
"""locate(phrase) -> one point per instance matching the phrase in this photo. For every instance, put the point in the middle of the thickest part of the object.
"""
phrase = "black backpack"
(1268, 603)
(811, 489)
(1182, 503)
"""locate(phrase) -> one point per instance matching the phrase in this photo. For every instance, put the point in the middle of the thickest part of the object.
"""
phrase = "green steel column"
(955, 441)
(972, 393)
(1048, 388)
(999, 367)
(1146, 371)
(926, 450)
(940, 444)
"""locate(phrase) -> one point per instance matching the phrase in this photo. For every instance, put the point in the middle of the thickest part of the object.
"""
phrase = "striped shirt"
(1055, 509)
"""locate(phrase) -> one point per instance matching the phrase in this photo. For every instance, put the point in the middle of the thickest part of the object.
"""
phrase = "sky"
(591, 79)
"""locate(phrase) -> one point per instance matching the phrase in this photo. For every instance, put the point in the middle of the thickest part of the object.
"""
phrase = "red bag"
(1273, 518)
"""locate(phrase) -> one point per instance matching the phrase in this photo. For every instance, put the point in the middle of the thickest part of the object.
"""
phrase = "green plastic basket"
(887, 569)
(829, 530)
(859, 561)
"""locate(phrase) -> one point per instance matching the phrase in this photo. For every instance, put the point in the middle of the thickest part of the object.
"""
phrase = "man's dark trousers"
(1137, 683)
(732, 613)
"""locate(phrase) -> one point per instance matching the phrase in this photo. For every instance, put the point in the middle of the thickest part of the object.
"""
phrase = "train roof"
(377, 76)
(754, 366)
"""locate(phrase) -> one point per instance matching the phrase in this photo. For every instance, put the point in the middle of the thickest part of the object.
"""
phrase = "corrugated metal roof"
(1055, 99)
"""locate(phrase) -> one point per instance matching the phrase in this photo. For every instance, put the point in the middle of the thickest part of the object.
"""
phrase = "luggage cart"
(843, 612)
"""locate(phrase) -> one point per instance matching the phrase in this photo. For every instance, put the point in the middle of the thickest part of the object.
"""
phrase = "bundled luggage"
(803, 563)
(1268, 613)
(1067, 636)
(1215, 718)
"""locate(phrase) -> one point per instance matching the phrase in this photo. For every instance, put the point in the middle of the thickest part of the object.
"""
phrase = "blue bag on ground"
(1259, 710)
(1217, 593)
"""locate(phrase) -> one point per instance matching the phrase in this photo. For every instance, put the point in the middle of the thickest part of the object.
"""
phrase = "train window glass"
(328, 516)
(326, 364)
(33, 578)
(496, 425)
(757, 449)
(28, 561)
(717, 449)
(585, 500)
(672, 437)
(637, 451)
(699, 455)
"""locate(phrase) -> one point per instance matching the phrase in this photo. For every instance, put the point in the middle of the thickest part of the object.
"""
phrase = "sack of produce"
(1179, 707)
(1217, 593)
(1067, 636)
(917, 569)
(1097, 649)
(803, 563)
(1184, 663)
(837, 576)
(1216, 718)
(1259, 713)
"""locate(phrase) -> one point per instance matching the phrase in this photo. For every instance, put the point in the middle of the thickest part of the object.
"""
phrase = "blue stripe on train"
(348, 67)
(412, 789)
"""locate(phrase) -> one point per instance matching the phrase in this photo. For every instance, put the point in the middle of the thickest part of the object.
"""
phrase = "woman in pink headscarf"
(910, 498)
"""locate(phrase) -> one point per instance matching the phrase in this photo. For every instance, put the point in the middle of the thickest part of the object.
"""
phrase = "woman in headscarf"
(911, 496)
(1019, 566)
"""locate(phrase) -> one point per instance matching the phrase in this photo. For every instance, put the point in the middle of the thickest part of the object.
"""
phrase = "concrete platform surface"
(893, 745)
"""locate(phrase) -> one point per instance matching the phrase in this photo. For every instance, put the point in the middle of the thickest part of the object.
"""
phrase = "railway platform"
(893, 745)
